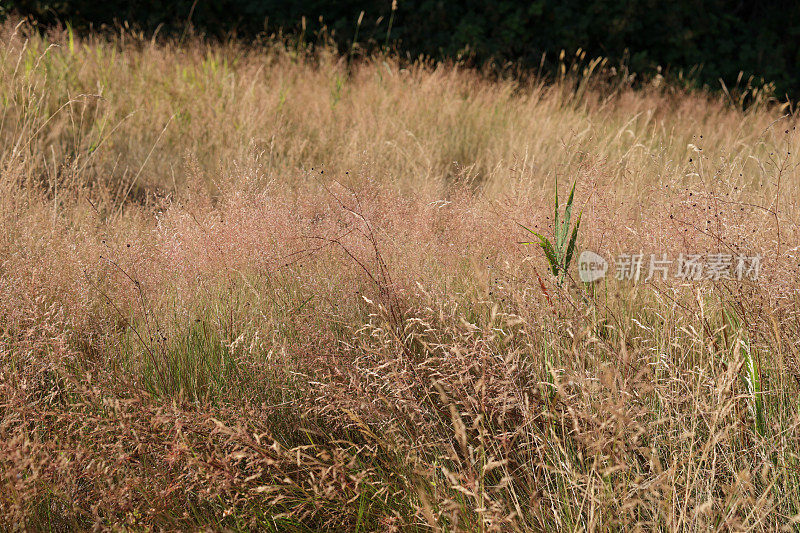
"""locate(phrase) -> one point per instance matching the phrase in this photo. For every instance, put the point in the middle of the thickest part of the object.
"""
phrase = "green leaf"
(567, 216)
(526, 228)
(550, 254)
(555, 216)
(547, 247)
(559, 253)
(571, 246)
(753, 382)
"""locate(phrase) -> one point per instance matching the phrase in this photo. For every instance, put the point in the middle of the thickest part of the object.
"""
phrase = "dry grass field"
(266, 288)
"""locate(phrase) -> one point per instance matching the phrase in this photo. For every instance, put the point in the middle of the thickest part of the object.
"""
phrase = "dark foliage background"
(721, 37)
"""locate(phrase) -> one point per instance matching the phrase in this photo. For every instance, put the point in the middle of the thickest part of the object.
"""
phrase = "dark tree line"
(722, 37)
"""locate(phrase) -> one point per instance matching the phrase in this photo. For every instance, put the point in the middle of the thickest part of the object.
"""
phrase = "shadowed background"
(697, 41)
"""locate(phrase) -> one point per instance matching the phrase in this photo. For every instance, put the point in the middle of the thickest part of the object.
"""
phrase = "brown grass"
(262, 289)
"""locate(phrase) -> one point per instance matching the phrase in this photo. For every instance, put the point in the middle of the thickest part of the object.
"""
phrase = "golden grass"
(262, 289)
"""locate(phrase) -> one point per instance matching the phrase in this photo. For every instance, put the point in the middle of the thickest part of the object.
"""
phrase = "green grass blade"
(549, 253)
(572, 240)
(564, 232)
(526, 228)
(552, 258)
(556, 234)
(752, 379)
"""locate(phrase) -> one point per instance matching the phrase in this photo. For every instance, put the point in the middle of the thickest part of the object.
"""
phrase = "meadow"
(268, 287)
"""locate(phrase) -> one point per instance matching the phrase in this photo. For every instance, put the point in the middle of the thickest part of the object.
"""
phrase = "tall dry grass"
(265, 289)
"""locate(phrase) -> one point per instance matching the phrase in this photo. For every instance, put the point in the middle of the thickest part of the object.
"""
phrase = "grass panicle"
(269, 288)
